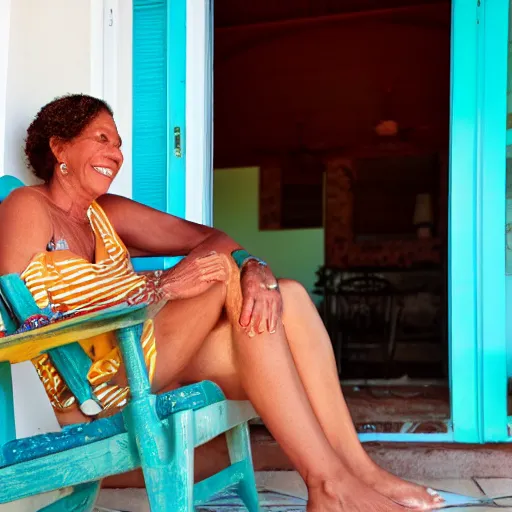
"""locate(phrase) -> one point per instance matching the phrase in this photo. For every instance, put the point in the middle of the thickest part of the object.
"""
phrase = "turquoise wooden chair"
(157, 433)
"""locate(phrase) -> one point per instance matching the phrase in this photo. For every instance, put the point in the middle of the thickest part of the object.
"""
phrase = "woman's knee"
(293, 289)
(295, 298)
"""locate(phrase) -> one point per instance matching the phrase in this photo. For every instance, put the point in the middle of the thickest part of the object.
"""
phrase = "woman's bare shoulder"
(25, 196)
(25, 205)
(26, 229)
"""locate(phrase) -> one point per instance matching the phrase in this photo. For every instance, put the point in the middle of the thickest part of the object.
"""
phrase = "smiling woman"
(224, 316)
(63, 120)
(101, 143)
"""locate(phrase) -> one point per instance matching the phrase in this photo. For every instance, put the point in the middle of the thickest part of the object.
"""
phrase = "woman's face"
(94, 157)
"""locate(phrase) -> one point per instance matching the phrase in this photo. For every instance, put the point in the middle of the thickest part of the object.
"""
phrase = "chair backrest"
(8, 184)
(7, 325)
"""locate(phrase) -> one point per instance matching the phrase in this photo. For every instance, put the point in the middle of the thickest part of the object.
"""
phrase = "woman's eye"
(103, 138)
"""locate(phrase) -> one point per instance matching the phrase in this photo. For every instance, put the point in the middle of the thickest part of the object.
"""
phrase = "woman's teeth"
(105, 171)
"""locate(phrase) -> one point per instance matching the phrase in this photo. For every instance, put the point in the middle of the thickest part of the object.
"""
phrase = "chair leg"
(169, 474)
(239, 446)
(82, 499)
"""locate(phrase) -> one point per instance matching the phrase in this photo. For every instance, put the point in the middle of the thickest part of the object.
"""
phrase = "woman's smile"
(105, 171)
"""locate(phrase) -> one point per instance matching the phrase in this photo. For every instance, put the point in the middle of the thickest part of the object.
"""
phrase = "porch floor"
(284, 491)
(419, 409)
(405, 409)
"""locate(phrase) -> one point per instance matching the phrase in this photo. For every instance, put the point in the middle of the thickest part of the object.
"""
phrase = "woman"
(260, 339)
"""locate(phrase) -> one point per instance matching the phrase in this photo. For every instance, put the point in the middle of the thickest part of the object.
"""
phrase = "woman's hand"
(262, 305)
(192, 276)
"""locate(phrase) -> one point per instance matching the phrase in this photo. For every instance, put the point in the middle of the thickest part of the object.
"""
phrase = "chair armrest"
(59, 340)
(71, 361)
(149, 263)
(19, 300)
(27, 345)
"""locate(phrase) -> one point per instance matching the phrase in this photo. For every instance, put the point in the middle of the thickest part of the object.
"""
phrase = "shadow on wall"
(295, 254)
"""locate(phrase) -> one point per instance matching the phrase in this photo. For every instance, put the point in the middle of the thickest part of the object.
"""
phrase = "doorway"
(331, 162)
(477, 324)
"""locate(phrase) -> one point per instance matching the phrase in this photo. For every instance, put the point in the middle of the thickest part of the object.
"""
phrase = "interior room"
(331, 163)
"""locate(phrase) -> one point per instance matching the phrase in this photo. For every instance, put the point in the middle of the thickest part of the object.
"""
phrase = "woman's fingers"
(273, 317)
(212, 267)
(209, 259)
(257, 315)
(262, 326)
(194, 276)
(214, 273)
(246, 314)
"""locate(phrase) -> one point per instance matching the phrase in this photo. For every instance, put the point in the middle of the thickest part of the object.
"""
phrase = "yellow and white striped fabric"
(70, 284)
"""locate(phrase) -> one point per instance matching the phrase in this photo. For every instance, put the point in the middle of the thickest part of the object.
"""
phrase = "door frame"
(477, 177)
(478, 373)
(476, 251)
(199, 112)
(476, 221)
(188, 102)
(5, 25)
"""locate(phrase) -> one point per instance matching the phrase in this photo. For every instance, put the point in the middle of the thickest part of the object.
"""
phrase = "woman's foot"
(409, 495)
(347, 495)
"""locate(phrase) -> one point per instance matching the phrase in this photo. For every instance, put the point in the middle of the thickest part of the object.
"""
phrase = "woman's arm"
(149, 232)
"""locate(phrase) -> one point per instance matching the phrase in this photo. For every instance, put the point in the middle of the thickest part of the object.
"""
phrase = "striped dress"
(69, 284)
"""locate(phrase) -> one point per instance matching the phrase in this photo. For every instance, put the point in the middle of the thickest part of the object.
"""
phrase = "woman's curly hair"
(64, 118)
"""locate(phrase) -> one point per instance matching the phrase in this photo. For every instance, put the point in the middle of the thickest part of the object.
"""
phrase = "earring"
(64, 169)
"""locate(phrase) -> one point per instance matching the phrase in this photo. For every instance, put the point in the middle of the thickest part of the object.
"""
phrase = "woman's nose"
(115, 154)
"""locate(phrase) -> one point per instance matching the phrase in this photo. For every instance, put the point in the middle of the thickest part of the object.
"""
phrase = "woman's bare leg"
(315, 363)
(209, 458)
(261, 369)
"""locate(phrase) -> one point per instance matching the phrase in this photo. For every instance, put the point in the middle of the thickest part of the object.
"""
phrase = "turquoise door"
(508, 229)
(477, 216)
(478, 286)
(159, 99)
(480, 293)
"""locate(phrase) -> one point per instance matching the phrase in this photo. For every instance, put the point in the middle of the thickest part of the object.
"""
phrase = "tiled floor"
(285, 492)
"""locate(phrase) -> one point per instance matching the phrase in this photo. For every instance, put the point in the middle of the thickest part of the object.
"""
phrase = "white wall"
(48, 55)
(5, 22)
(56, 47)
(116, 75)
(199, 102)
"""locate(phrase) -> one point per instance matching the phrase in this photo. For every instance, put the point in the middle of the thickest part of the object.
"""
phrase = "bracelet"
(241, 257)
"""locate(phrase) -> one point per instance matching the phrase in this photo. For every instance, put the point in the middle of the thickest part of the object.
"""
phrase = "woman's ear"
(57, 147)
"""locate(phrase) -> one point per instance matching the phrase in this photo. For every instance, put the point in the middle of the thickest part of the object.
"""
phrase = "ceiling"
(235, 13)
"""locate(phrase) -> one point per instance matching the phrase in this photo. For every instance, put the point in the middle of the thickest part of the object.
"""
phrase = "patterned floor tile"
(269, 502)
(478, 509)
(495, 487)
(466, 487)
(288, 483)
(284, 491)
